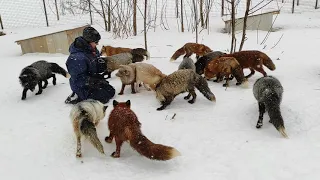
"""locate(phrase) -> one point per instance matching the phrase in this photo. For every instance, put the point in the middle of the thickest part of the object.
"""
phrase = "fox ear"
(115, 103)
(128, 103)
(105, 107)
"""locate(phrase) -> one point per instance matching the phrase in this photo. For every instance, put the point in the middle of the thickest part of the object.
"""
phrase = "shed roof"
(227, 18)
(48, 30)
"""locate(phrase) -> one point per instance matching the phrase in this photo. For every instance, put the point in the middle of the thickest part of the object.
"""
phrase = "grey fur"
(113, 62)
(268, 92)
(187, 63)
(204, 60)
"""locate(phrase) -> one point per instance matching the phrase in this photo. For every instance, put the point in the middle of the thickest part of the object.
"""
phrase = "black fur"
(39, 71)
(204, 60)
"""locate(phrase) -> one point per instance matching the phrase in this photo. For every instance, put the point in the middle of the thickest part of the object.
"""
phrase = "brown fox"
(139, 73)
(124, 125)
(191, 48)
(224, 67)
(137, 53)
(180, 81)
(254, 60)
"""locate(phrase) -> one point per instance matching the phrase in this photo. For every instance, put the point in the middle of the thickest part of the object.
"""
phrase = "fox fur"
(224, 67)
(137, 73)
(137, 53)
(268, 92)
(254, 60)
(113, 62)
(85, 116)
(204, 60)
(180, 81)
(39, 71)
(191, 48)
(187, 63)
(124, 125)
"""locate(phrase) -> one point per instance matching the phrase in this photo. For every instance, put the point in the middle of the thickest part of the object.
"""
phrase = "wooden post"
(55, 2)
(1, 22)
(90, 12)
(316, 6)
(45, 12)
(134, 17)
(222, 7)
(292, 6)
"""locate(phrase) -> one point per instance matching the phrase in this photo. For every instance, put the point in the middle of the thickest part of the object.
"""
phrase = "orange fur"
(125, 126)
(109, 50)
(224, 67)
(254, 60)
(191, 48)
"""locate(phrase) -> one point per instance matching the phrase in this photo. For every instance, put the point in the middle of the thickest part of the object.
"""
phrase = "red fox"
(254, 60)
(224, 67)
(138, 53)
(191, 48)
(125, 126)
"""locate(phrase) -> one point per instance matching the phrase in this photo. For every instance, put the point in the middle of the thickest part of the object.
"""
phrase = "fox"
(268, 91)
(124, 125)
(38, 72)
(191, 48)
(180, 81)
(254, 60)
(224, 67)
(85, 116)
(204, 60)
(187, 63)
(113, 62)
(137, 73)
(138, 53)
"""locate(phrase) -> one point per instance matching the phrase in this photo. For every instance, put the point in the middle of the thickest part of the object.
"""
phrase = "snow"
(217, 141)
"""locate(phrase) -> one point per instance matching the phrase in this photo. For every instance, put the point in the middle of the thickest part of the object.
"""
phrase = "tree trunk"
(90, 12)
(145, 24)
(245, 24)
(292, 6)
(56, 4)
(1, 22)
(104, 15)
(177, 8)
(155, 16)
(233, 39)
(45, 12)
(109, 16)
(201, 13)
(134, 17)
(316, 6)
(222, 7)
(298, 2)
(195, 18)
(182, 28)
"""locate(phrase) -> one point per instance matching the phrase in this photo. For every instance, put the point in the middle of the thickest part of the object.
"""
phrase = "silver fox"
(268, 92)
(85, 116)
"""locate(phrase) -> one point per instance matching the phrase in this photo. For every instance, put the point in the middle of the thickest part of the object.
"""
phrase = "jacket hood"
(80, 45)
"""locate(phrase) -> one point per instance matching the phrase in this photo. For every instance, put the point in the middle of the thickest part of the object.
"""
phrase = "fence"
(22, 13)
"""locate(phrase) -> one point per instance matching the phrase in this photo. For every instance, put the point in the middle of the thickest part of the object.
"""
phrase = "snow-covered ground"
(216, 141)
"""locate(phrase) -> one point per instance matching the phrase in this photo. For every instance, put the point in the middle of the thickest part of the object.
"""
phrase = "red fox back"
(191, 48)
(124, 126)
(109, 50)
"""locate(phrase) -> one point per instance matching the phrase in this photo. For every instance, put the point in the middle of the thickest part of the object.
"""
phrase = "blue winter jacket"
(82, 64)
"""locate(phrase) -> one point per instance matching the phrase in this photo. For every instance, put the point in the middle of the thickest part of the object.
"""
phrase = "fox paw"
(120, 93)
(259, 125)
(38, 93)
(133, 92)
(225, 85)
(186, 97)
(238, 83)
(115, 155)
(78, 155)
(160, 108)
(191, 101)
(108, 139)
(23, 98)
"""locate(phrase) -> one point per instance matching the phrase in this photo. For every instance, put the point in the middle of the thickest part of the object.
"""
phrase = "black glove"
(101, 65)
(95, 82)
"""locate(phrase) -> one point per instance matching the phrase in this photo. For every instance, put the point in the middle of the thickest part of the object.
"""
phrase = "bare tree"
(145, 24)
(109, 16)
(201, 13)
(316, 6)
(195, 18)
(104, 15)
(292, 6)
(233, 25)
(56, 4)
(1, 22)
(222, 7)
(181, 4)
(134, 17)
(177, 8)
(245, 24)
(45, 11)
(90, 12)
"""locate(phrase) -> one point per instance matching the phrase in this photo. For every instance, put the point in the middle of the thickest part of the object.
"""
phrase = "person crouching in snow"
(84, 66)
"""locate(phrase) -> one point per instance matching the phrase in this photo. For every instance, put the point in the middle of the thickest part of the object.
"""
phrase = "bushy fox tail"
(267, 62)
(88, 130)
(178, 53)
(202, 85)
(145, 147)
(141, 52)
(58, 69)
